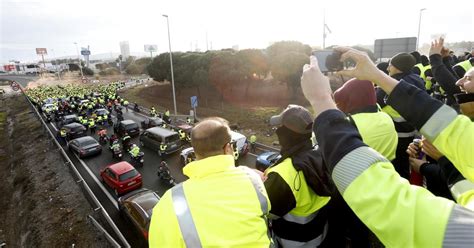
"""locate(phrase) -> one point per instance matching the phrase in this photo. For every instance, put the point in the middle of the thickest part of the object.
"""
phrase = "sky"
(102, 24)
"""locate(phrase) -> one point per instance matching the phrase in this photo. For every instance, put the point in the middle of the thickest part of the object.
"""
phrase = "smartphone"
(329, 60)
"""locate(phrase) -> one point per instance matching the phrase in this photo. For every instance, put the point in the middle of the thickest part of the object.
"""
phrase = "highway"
(23, 80)
(107, 197)
(90, 170)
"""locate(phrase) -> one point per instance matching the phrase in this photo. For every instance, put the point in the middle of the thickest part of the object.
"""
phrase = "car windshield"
(131, 126)
(87, 142)
(172, 138)
(76, 129)
(273, 156)
(127, 175)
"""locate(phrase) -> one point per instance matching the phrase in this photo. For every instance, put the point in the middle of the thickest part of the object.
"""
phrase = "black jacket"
(445, 78)
(309, 162)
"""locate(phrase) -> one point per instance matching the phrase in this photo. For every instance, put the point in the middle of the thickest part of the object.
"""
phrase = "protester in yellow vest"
(220, 205)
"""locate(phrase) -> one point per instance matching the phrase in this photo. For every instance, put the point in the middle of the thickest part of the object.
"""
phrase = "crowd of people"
(375, 135)
(88, 103)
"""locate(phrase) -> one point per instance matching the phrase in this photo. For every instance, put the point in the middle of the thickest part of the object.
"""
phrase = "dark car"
(74, 130)
(101, 112)
(138, 206)
(128, 126)
(68, 119)
(152, 122)
(154, 137)
(85, 146)
(266, 160)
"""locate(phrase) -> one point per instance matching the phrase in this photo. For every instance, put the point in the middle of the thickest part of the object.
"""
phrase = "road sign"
(194, 101)
(386, 48)
(41, 51)
(151, 48)
(85, 52)
(15, 86)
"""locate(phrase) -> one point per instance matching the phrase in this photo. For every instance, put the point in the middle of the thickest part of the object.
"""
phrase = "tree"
(159, 69)
(87, 71)
(286, 62)
(138, 66)
(281, 47)
(253, 65)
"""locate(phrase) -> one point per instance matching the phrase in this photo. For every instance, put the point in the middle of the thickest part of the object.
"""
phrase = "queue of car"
(136, 203)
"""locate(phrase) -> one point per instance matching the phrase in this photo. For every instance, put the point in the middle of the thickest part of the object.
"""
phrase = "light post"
(171, 62)
(56, 65)
(79, 58)
(419, 27)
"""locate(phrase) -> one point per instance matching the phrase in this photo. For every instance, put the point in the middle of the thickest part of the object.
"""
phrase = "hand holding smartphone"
(329, 60)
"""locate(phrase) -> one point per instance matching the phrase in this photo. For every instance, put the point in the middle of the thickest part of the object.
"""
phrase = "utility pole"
(419, 27)
(79, 60)
(171, 63)
(324, 29)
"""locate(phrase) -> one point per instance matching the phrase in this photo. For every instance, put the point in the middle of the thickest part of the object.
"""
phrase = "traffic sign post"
(194, 104)
(42, 52)
(14, 86)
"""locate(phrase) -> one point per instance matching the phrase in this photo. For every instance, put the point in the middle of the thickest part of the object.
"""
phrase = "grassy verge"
(248, 120)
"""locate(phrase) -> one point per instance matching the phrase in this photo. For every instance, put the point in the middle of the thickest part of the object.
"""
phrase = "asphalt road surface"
(93, 165)
(23, 80)
(106, 196)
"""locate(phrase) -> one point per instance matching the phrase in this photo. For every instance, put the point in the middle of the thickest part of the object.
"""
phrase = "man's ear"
(228, 149)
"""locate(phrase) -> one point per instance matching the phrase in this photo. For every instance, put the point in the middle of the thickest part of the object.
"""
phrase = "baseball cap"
(294, 117)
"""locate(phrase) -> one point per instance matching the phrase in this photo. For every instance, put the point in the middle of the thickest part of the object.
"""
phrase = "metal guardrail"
(84, 185)
(101, 229)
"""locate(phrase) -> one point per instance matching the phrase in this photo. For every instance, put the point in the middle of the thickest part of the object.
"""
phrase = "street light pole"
(79, 59)
(171, 62)
(56, 65)
(419, 27)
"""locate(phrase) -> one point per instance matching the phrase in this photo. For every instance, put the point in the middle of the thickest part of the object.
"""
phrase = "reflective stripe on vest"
(185, 218)
(300, 219)
(311, 243)
(407, 135)
(259, 189)
(460, 188)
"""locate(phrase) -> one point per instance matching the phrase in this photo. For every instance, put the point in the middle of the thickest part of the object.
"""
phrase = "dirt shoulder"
(41, 206)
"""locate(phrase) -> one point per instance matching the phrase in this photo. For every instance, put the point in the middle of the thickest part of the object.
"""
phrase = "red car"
(121, 177)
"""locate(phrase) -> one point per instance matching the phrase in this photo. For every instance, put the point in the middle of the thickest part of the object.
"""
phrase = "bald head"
(209, 137)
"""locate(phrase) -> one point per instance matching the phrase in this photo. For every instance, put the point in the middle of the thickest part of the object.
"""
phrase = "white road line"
(111, 198)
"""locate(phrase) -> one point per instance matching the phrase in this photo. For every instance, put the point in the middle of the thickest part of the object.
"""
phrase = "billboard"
(151, 48)
(85, 51)
(41, 51)
(386, 48)
(9, 67)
